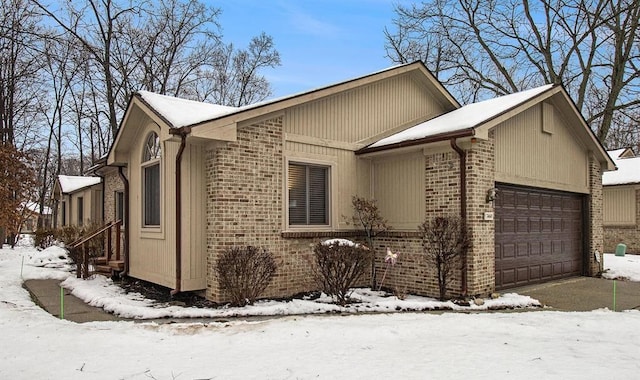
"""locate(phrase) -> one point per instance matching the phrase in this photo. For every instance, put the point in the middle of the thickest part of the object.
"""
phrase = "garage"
(538, 235)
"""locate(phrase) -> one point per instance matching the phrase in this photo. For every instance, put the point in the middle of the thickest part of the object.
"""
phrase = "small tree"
(17, 180)
(367, 216)
(339, 265)
(444, 241)
(245, 272)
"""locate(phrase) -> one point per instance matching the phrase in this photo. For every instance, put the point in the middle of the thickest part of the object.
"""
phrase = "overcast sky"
(320, 42)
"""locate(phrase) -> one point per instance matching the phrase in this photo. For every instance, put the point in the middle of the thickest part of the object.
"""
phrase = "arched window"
(151, 180)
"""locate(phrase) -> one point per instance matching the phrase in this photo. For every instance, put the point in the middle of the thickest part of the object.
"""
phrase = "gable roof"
(179, 113)
(204, 120)
(477, 119)
(466, 118)
(71, 183)
(621, 153)
(628, 172)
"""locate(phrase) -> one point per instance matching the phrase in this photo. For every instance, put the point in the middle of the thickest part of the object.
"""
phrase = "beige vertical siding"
(550, 157)
(152, 249)
(619, 205)
(364, 112)
(398, 186)
(194, 253)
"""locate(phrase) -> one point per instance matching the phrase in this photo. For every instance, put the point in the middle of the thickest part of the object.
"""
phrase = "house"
(621, 190)
(524, 170)
(32, 214)
(79, 200)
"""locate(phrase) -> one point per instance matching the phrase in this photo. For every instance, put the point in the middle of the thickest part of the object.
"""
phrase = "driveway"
(584, 294)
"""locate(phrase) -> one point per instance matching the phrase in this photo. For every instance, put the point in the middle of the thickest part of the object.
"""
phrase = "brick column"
(481, 256)
(595, 229)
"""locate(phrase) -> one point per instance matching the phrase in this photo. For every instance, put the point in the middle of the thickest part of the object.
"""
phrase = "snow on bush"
(52, 257)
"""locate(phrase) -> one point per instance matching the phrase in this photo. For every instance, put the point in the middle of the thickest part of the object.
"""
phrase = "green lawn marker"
(61, 302)
(21, 267)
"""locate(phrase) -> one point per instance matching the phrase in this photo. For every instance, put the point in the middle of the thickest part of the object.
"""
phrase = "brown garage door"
(538, 235)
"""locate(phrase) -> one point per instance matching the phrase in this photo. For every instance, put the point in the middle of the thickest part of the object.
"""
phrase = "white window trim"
(328, 162)
(151, 231)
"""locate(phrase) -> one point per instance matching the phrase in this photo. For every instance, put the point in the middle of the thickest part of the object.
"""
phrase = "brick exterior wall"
(595, 229)
(112, 183)
(481, 256)
(629, 235)
(245, 204)
(414, 273)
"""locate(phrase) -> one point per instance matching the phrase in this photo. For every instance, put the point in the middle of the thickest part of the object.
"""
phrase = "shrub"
(245, 272)
(339, 265)
(44, 238)
(444, 241)
(68, 235)
(367, 217)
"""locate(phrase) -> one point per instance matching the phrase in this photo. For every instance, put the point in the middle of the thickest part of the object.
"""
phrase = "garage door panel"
(538, 235)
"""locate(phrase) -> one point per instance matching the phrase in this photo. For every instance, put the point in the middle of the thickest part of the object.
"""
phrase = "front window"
(151, 180)
(80, 210)
(308, 194)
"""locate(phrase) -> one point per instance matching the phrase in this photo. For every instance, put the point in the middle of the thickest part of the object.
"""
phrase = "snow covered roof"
(464, 118)
(182, 112)
(35, 207)
(70, 183)
(620, 153)
(628, 172)
(615, 154)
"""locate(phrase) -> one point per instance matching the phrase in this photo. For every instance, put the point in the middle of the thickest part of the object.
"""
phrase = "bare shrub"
(44, 237)
(367, 217)
(245, 272)
(69, 235)
(444, 241)
(338, 267)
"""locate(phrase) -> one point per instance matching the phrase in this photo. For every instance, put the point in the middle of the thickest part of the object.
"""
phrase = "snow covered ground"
(523, 345)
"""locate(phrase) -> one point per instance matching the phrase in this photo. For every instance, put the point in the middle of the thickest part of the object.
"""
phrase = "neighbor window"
(119, 196)
(308, 194)
(63, 210)
(151, 180)
(80, 210)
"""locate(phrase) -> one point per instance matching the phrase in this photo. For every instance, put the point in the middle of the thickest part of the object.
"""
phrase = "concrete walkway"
(584, 294)
(573, 294)
(46, 293)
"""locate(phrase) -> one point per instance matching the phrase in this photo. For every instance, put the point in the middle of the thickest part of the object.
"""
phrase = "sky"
(320, 42)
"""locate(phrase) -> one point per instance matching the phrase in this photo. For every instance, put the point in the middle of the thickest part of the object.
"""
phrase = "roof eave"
(469, 132)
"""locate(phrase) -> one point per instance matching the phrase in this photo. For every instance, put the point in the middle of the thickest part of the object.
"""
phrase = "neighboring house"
(622, 202)
(79, 200)
(281, 174)
(32, 211)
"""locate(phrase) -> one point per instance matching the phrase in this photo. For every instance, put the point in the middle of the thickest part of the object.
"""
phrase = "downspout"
(126, 220)
(463, 205)
(183, 132)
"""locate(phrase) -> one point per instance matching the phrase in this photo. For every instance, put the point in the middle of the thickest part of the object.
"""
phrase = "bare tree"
(483, 49)
(20, 44)
(444, 240)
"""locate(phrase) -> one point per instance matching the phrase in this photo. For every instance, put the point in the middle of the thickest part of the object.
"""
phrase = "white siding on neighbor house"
(398, 186)
(550, 157)
(619, 205)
